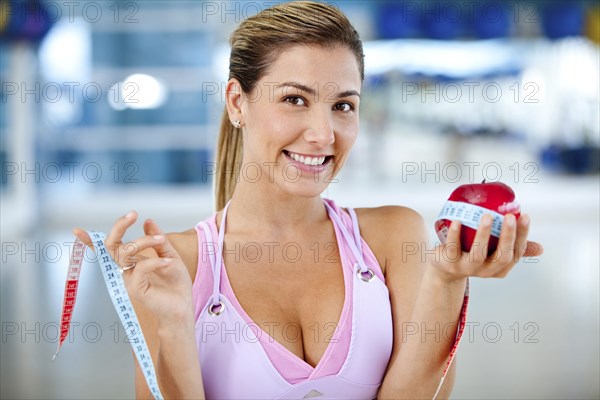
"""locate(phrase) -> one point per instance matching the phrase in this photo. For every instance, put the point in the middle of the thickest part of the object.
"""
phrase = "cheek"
(349, 135)
(278, 129)
(265, 114)
(267, 132)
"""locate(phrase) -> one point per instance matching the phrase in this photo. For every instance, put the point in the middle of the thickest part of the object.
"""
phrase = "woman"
(315, 300)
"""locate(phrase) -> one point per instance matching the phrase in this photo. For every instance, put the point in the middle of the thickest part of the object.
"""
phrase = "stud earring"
(237, 123)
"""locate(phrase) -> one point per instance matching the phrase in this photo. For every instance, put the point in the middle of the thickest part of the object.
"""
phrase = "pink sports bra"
(239, 360)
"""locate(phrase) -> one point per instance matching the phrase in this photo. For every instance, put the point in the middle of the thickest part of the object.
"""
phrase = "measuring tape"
(120, 299)
(111, 273)
(469, 215)
(462, 322)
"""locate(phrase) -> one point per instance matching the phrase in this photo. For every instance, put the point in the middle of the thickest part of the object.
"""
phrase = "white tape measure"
(470, 215)
(120, 299)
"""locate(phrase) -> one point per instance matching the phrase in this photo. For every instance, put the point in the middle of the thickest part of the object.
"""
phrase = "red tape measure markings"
(462, 322)
(70, 292)
(111, 273)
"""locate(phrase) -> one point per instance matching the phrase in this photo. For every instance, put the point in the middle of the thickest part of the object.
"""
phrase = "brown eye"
(295, 100)
(344, 107)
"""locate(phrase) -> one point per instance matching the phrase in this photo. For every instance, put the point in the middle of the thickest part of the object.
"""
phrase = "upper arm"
(401, 246)
(186, 246)
(405, 248)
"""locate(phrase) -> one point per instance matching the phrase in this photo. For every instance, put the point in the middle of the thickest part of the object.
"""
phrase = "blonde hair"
(255, 44)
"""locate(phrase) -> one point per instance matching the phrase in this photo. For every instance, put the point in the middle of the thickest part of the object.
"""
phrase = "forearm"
(178, 368)
(427, 340)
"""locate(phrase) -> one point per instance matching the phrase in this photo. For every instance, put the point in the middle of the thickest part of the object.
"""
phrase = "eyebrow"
(313, 92)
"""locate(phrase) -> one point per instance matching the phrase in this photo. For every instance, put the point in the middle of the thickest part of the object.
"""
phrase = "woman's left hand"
(451, 263)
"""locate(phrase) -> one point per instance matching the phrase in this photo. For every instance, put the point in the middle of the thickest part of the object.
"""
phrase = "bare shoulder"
(389, 216)
(186, 244)
(385, 227)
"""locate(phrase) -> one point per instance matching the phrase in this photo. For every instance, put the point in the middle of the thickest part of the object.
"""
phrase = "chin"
(304, 189)
(307, 185)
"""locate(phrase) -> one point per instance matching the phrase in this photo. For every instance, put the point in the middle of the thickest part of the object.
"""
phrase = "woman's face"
(301, 119)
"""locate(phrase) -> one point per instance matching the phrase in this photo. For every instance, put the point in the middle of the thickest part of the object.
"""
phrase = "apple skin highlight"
(495, 196)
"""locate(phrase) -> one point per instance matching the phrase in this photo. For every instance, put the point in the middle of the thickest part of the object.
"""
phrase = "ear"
(233, 100)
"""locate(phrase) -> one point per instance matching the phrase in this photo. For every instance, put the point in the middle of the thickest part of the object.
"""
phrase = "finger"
(141, 244)
(479, 249)
(119, 228)
(451, 249)
(504, 271)
(163, 247)
(128, 252)
(522, 232)
(505, 250)
(151, 264)
(137, 277)
(533, 249)
(83, 236)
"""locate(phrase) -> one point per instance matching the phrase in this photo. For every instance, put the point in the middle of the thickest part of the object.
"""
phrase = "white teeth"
(307, 160)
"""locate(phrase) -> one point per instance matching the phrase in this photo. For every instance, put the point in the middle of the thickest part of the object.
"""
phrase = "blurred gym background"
(111, 106)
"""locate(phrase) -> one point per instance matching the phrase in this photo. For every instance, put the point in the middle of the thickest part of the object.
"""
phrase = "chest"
(293, 290)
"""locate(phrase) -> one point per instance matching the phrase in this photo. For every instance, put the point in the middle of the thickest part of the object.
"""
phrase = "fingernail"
(454, 226)
(525, 219)
(130, 214)
(158, 237)
(486, 220)
(166, 260)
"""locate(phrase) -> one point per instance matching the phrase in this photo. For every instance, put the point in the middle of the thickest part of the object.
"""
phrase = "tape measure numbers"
(468, 215)
(111, 272)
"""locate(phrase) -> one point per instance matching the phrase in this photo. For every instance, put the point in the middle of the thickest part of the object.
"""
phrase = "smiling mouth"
(308, 160)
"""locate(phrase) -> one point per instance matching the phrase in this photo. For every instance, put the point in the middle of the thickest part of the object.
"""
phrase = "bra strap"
(209, 242)
(351, 242)
(219, 258)
(356, 230)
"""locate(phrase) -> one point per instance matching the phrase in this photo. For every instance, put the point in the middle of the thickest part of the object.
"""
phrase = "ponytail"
(228, 160)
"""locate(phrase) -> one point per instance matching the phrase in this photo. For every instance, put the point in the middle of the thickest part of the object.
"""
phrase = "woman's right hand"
(154, 274)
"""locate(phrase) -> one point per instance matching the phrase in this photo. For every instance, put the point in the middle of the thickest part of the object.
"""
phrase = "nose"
(320, 130)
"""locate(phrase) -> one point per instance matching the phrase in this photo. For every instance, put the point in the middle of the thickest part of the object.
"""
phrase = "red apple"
(468, 203)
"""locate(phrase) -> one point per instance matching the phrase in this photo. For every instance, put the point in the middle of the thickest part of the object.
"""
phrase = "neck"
(265, 206)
